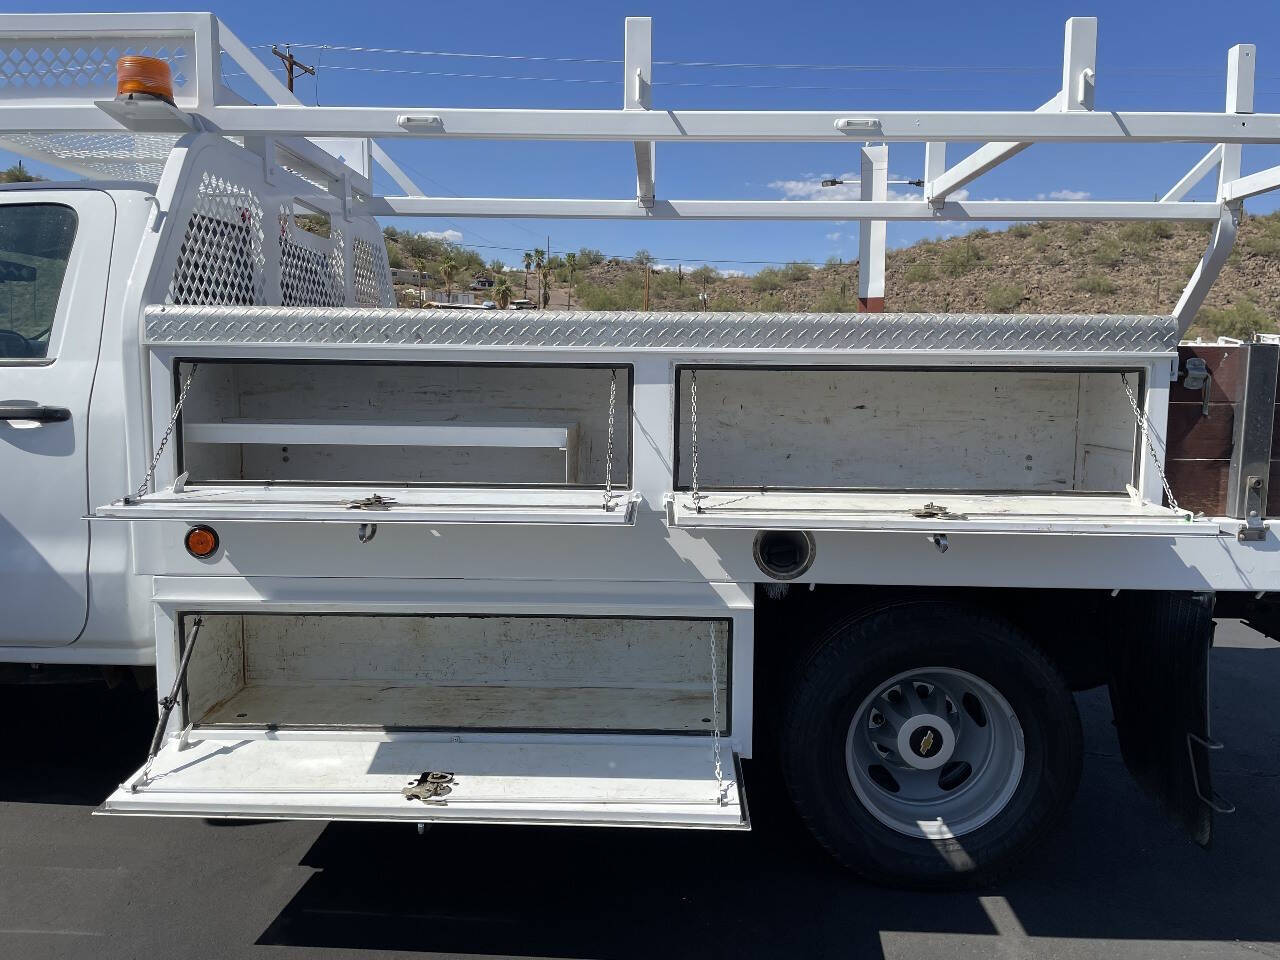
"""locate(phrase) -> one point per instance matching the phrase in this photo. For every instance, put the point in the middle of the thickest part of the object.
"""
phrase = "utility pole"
(292, 63)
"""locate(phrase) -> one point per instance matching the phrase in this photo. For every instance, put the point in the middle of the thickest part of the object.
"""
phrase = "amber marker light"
(201, 541)
(143, 77)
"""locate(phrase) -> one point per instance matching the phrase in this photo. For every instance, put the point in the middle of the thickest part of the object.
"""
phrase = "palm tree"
(539, 261)
(502, 293)
(528, 262)
(448, 270)
(571, 260)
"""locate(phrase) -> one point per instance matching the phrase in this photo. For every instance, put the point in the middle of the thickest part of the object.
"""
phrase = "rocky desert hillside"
(1027, 268)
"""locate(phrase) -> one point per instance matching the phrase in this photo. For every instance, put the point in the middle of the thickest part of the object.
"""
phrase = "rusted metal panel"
(1195, 435)
(1200, 485)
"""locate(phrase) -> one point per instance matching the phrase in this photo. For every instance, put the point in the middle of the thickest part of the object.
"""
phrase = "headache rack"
(330, 304)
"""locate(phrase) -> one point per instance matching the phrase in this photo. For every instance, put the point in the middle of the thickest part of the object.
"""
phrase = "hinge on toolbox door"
(1253, 527)
(430, 787)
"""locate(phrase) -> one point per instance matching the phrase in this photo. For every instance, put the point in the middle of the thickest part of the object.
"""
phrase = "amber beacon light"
(143, 77)
(201, 541)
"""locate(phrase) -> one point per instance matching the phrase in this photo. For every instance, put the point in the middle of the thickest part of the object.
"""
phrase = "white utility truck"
(568, 567)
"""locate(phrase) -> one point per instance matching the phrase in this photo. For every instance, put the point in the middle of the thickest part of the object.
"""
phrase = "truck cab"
(69, 250)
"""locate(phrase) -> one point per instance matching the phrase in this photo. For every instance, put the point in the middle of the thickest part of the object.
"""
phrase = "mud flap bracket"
(1159, 685)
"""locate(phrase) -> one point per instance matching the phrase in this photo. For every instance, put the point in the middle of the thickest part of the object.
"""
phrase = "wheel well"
(1070, 626)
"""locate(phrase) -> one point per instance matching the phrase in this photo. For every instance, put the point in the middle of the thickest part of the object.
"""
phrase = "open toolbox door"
(914, 512)
(526, 780)
(280, 503)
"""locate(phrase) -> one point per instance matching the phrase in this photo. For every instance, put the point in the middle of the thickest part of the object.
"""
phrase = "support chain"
(608, 456)
(1149, 443)
(693, 439)
(715, 720)
(168, 432)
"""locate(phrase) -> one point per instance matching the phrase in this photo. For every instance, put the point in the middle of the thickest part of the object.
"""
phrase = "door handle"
(40, 414)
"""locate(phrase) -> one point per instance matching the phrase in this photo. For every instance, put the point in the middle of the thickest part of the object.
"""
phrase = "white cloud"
(1065, 195)
(833, 237)
(733, 273)
(453, 236)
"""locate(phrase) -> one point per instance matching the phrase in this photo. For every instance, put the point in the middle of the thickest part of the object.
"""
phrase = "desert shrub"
(921, 272)
(1262, 238)
(1108, 252)
(766, 280)
(621, 297)
(1020, 230)
(833, 301)
(1240, 320)
(958, 259)
(796, 271)
(770, 303)
(1004, 297)
(1095, 283)
(1145, 232)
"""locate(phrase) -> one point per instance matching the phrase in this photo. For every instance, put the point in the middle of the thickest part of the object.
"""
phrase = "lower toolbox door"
(549, 782)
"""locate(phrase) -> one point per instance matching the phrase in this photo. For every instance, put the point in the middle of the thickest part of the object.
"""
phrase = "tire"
(1018, 785)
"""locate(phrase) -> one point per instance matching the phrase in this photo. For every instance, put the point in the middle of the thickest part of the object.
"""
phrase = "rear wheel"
(929, 745)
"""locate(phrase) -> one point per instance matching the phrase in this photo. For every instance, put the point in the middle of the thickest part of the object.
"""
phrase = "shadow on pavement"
(1115, 871)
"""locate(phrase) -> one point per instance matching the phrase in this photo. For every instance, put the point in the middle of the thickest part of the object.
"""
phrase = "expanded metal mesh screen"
(52, 67)
(306, 277)
(370, 275)
(221, 260)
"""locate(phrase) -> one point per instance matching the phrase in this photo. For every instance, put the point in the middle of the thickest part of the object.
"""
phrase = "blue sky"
(1158, 56)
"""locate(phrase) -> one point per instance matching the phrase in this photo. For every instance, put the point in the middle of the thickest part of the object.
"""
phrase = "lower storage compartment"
(517, 673)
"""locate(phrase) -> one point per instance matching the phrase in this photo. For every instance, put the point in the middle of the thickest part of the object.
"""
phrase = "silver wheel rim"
(935, 753)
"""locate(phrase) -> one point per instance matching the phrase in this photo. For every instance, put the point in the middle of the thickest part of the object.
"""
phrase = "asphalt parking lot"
(1115, 882)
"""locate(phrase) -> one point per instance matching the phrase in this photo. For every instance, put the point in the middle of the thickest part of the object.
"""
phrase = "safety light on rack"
(146, 78)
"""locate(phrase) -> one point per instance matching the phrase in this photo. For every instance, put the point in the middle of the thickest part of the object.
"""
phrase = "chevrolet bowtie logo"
(926, 743)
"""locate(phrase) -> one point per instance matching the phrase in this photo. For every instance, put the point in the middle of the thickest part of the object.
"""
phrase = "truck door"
(55, 248)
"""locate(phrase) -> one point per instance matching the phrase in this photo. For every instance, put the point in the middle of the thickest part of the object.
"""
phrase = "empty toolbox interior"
(404, 423)
(975, 430)
(457, 672)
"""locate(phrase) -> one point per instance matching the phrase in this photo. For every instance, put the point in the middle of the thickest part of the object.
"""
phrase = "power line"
(757, 65)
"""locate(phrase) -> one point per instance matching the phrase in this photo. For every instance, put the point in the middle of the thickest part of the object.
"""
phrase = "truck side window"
(35, 244)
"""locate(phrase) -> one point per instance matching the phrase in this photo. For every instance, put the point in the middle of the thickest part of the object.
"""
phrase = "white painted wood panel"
(459, 671)
(892, 429)
(466, 707)
(216, 671)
